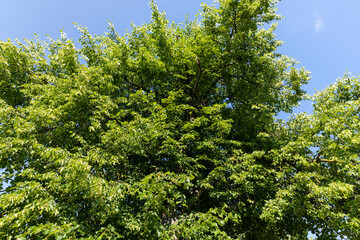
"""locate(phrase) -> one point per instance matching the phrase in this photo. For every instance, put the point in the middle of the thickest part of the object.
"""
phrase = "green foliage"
(170, 132)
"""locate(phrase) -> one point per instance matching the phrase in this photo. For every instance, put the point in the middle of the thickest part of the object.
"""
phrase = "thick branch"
(234, 28)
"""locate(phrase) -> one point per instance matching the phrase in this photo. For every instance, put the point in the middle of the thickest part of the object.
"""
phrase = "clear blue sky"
(323, 35)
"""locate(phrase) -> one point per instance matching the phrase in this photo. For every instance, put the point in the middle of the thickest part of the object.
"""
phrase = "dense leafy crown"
(170, 132)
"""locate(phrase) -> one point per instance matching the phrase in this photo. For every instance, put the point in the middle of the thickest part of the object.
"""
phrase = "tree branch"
(327, 160)
(234, 28)
(198, 78)
(44, 130)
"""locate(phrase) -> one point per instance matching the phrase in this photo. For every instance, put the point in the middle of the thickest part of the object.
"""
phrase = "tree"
(170, 132)
(322, 165)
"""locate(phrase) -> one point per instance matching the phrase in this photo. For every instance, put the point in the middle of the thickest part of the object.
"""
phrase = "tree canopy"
(171, 132)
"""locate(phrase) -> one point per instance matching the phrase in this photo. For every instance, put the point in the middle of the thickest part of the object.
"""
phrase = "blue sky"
(323, 35)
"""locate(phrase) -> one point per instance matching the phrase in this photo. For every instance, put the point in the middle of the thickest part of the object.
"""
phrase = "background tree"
(320, 164)
(169, 132)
